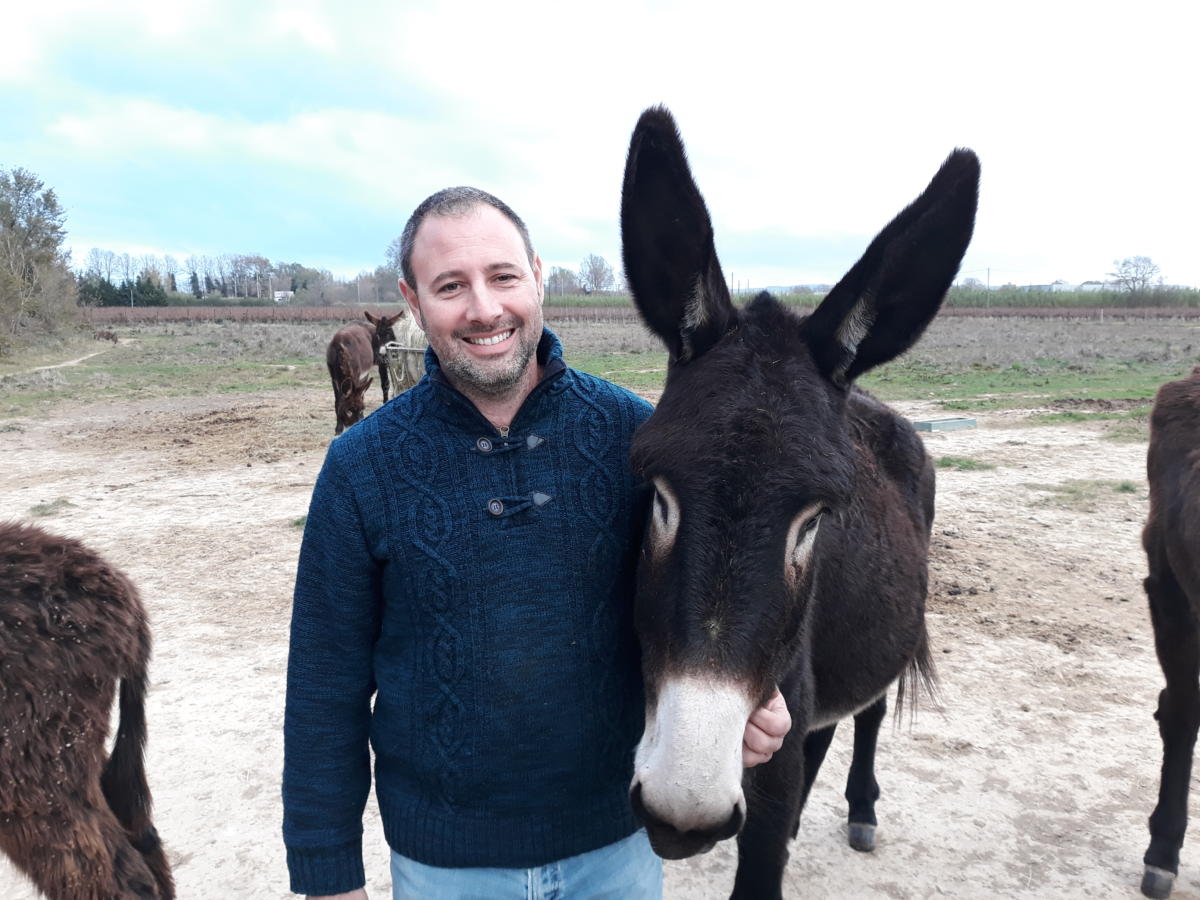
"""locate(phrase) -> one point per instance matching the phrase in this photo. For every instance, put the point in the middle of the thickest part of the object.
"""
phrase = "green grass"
(963, 464)
(588, 300)
(159, 365)
(51, 508)
(1080, 494)
(1141, 411)
(635, 371)
(189, 359)
(980, 387)
(1127, 431)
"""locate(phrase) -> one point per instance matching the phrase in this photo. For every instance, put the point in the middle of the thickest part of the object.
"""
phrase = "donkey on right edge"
(787, 539)
(1172, 541)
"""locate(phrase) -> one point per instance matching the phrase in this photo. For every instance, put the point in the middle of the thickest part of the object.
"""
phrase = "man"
(468, 559)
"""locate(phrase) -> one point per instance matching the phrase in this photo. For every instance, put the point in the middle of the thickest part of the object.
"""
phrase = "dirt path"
(1034, 781)
(69, 362)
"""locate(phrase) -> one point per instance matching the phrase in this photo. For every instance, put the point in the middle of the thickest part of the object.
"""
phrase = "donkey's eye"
(801, 537)
(660, 507)
(813, 522)
(664, 516)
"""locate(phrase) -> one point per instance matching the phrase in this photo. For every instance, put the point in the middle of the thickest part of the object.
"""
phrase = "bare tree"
(259, 268)
(595, 274)
(170, 272)
(561, 282)
(93, 263)
(391, 255)
(1135, 274)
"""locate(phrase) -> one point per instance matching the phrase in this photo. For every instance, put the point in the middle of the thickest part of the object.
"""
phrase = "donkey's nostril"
(734, 823)
(635, 800)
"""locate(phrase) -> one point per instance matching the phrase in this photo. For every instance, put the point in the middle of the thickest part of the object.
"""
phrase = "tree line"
(40, 291)
(111, 279)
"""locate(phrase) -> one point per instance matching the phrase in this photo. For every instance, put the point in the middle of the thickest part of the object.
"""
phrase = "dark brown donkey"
(71, 627)
(354, 349)
(787, 538)
(1172, 542)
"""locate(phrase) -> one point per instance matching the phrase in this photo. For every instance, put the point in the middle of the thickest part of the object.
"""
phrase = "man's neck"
(501, 410)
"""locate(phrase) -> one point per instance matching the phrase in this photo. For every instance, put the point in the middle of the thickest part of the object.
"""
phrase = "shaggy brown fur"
(71, 627)
(1172, 542)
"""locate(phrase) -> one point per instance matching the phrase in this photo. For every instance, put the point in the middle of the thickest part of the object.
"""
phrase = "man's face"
(478, 299)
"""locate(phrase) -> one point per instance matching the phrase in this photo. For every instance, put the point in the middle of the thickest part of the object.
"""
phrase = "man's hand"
(765, 731)
(360, 894)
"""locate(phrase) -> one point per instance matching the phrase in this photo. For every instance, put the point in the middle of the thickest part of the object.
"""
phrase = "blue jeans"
(626, 870)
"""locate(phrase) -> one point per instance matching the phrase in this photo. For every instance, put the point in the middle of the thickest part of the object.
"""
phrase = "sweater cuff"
(326, 870)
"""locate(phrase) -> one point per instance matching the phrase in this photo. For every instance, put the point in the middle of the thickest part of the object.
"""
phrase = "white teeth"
(494, 339)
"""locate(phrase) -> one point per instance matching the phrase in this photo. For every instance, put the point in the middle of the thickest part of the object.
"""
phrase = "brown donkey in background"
(71, 626)
(351, 353)
(1172, 542)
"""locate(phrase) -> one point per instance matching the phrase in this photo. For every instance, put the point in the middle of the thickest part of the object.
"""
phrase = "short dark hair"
(453, 201)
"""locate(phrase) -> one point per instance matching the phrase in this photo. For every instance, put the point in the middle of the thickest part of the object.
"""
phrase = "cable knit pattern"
(480, 590)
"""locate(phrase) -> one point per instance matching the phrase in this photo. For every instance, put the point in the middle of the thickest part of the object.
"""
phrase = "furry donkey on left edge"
(788, 535)
(71, 627)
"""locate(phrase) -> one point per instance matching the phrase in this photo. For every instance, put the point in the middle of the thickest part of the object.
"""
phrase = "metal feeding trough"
(950, 423)
(405, 365)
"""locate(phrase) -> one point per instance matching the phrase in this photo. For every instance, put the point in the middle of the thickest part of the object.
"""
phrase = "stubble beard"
(492, 381)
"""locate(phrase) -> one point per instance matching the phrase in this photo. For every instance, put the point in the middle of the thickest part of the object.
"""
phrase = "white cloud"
(809, 121)
(308, 24)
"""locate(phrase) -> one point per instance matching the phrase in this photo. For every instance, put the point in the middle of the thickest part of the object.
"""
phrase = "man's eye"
(449, 287)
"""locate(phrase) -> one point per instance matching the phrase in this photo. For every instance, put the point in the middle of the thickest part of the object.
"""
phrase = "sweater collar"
(549, 357)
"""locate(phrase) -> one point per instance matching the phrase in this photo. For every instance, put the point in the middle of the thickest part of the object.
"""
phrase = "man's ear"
(537, 277)
(410, 297)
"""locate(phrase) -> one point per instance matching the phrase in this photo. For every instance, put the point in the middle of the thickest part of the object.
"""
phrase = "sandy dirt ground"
(1034, 780)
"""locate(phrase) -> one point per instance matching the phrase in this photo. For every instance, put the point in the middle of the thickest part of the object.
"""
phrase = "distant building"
(1062, 287)
(284, 296)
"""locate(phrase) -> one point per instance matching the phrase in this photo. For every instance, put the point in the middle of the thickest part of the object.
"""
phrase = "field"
(187, 452)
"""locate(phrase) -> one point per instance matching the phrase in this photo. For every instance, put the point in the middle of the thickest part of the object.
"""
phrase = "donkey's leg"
(862, 790)
(383, 379)
(1178, 646)
(816, 744)
(773, 796)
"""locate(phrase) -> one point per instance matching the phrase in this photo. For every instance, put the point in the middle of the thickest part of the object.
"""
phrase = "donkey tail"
(921, 675)
(124, 778)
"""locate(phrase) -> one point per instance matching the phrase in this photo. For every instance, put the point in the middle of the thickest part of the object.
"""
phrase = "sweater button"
(495, 507)
(484, 445)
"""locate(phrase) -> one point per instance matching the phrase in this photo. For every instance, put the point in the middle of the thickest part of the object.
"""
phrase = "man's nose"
(485, 305)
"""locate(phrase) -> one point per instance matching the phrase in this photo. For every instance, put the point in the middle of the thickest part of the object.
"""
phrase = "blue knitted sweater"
(479, 589)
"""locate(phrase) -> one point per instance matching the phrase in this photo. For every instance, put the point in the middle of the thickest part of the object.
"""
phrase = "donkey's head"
(751, 459)
(384, 332)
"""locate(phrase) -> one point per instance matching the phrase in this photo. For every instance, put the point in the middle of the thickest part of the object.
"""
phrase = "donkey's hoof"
(1157, 883)
(862, 837)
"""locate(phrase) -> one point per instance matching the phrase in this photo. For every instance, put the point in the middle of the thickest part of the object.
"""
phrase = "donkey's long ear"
(667, 242)
(883, 304)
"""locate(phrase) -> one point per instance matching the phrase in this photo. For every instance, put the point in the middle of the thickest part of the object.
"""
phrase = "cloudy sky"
(308, 131)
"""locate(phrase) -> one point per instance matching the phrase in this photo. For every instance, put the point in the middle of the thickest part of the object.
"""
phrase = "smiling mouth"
(488, 341)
